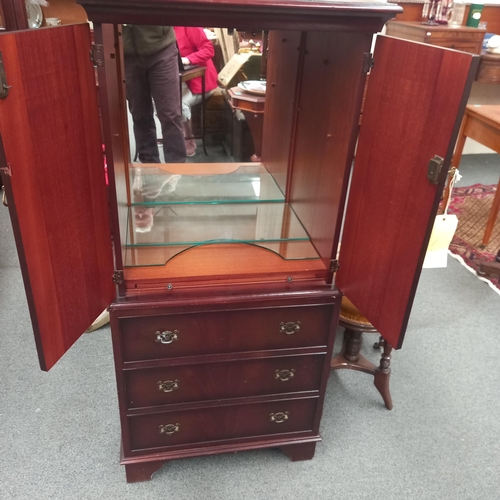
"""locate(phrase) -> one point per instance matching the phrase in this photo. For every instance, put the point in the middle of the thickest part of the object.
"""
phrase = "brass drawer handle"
(284, 375)
(4, 198)
(279, 418)
(290, 327)
(167, 337)
(169, 429)
(168, 385)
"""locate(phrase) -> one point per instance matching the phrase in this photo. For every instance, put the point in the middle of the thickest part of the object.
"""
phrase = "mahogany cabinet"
(224, 281)
(463, 38)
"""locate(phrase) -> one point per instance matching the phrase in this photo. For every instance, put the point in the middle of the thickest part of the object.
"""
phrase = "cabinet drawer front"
(155, 337)
(454, 36)
(471, 47)
(163, 430)
(202, 382)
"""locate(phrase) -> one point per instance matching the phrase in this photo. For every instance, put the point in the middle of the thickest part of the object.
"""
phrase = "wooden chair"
(350, 358)
(481, 123)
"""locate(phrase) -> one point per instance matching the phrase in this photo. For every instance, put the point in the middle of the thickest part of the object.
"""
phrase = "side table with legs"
(481, 123)
(350, 357)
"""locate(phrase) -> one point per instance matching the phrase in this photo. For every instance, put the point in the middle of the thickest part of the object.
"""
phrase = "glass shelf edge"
(212, 242)
(221, 202)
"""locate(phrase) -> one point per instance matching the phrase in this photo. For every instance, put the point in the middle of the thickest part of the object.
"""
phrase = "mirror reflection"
(196, 101)
(194, 94)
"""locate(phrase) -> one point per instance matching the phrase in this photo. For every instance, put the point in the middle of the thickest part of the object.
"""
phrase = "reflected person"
(195, 49)
(152, 74)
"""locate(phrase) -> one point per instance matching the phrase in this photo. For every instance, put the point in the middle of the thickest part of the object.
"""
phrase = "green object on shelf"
(474, 16)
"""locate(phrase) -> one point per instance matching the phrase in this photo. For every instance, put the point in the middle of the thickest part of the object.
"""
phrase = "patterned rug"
(472, 206)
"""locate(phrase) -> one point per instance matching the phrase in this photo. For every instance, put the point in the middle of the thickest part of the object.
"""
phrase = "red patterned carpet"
(472, 206)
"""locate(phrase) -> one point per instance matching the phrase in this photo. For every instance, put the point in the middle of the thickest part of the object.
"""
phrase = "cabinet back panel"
(330, 100)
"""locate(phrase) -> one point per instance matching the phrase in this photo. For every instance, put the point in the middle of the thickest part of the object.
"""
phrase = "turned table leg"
(350, 358)
(492, 217)
(382, 376)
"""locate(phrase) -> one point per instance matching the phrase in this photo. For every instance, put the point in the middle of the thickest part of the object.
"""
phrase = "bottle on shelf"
(457, 14)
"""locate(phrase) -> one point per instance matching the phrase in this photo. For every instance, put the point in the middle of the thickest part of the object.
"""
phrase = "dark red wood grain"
(413, 108)
(281, 103)
(220, 332)
(51, 135)
(330, 101)
(205, 381)
(224, 339)
(115, 133)
(221, 423)
(251, 14)
(13, 13)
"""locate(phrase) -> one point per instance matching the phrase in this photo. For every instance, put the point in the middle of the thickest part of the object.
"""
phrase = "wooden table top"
(487, 113)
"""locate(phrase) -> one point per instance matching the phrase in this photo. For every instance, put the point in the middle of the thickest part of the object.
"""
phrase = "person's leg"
(188, 100)
(187, 96)
(141, 109)
(163, 75)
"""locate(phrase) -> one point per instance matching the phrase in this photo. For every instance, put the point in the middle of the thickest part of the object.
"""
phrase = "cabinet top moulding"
(261, 14)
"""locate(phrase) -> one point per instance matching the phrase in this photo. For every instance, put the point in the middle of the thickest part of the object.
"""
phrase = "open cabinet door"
(52, 167)
(414, 104)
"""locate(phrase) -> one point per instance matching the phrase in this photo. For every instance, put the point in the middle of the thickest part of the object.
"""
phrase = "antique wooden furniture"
(489, 64)
(489, 68)
(481, 123)
(350, 357)
(412, 11)
(463, 38)
(224, 280)
(252, 107)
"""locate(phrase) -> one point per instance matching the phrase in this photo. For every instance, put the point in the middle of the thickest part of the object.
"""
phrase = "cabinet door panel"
(414, 104)
(50, 130)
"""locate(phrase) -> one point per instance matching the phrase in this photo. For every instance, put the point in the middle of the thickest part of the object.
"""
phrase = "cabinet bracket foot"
(142, 471)
(298, 452)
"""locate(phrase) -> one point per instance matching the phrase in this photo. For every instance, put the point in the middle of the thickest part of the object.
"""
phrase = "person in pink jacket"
(195, 49)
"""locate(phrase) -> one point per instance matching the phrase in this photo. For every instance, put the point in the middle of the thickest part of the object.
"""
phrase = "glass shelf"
(245, 184)
(158, 233)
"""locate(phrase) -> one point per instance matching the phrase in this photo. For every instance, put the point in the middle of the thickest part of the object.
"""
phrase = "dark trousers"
(156, 77)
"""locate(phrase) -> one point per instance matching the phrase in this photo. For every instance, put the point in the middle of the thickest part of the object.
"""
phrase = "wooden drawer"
(156, 337)
(473, 48)
(164, 430)
(201, 382)
(464, 38)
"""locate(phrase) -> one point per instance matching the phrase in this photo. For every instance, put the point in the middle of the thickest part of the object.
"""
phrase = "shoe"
(190, 147)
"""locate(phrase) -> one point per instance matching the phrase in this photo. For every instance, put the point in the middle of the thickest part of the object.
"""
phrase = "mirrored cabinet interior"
(224, 279)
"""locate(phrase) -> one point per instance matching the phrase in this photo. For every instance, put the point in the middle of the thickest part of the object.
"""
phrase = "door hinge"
(4, 88)
(97, 55)
(334, 265)
(6, 170)
(434, 169)
(118, 277)
(368, 62)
